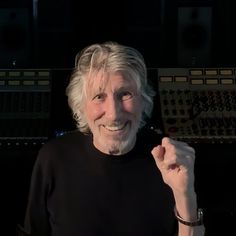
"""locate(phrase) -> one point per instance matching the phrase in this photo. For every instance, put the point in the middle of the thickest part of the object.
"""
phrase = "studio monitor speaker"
(15, 37)
(194, 36)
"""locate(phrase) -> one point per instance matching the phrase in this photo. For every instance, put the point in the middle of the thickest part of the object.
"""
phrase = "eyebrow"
(128, 87)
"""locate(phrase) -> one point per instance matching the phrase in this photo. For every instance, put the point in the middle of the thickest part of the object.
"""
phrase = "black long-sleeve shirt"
(76, 190)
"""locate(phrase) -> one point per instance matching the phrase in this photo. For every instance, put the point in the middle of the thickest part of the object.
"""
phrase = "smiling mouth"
(114, 128)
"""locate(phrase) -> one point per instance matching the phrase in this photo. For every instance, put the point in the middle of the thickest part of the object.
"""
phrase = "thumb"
(158, 153)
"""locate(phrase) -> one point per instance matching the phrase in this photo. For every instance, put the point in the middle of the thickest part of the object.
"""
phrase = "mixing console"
(24, 107)
(199, 104)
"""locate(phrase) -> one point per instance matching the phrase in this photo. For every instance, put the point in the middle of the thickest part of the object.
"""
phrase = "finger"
(158, 153)
(163, 162)
(177, 148)
(168, 141)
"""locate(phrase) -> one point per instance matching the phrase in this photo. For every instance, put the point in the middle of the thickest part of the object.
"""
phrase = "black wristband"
(198, 222)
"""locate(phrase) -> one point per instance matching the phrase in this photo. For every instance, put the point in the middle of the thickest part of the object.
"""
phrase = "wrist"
(186, 205)
(197, 222)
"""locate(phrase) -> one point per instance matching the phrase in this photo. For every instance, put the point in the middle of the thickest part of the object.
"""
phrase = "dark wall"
(168, 32)
(65, 27)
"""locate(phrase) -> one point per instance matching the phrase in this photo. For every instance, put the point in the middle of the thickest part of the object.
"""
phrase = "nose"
(113, 109)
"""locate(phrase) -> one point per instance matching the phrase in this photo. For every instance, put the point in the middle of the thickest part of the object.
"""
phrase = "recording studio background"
(190, 49)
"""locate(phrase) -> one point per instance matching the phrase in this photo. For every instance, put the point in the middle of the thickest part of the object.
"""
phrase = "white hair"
(107, 57)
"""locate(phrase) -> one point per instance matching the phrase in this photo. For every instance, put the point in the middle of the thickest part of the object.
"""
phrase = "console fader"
(198, 104)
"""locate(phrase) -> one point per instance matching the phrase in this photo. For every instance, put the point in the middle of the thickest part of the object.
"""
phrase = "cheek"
(92, 111)
(133, 106)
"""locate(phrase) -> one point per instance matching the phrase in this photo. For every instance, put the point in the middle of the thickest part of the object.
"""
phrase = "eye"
(99, 97)
(125, 95)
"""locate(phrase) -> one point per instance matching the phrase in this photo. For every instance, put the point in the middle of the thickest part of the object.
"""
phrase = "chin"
(122, 146)
(119, 149)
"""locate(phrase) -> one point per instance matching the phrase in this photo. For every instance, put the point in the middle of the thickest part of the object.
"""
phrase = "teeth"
(115, 128)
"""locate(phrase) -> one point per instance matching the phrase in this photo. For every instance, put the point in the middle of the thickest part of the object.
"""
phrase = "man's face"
(113, 111)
